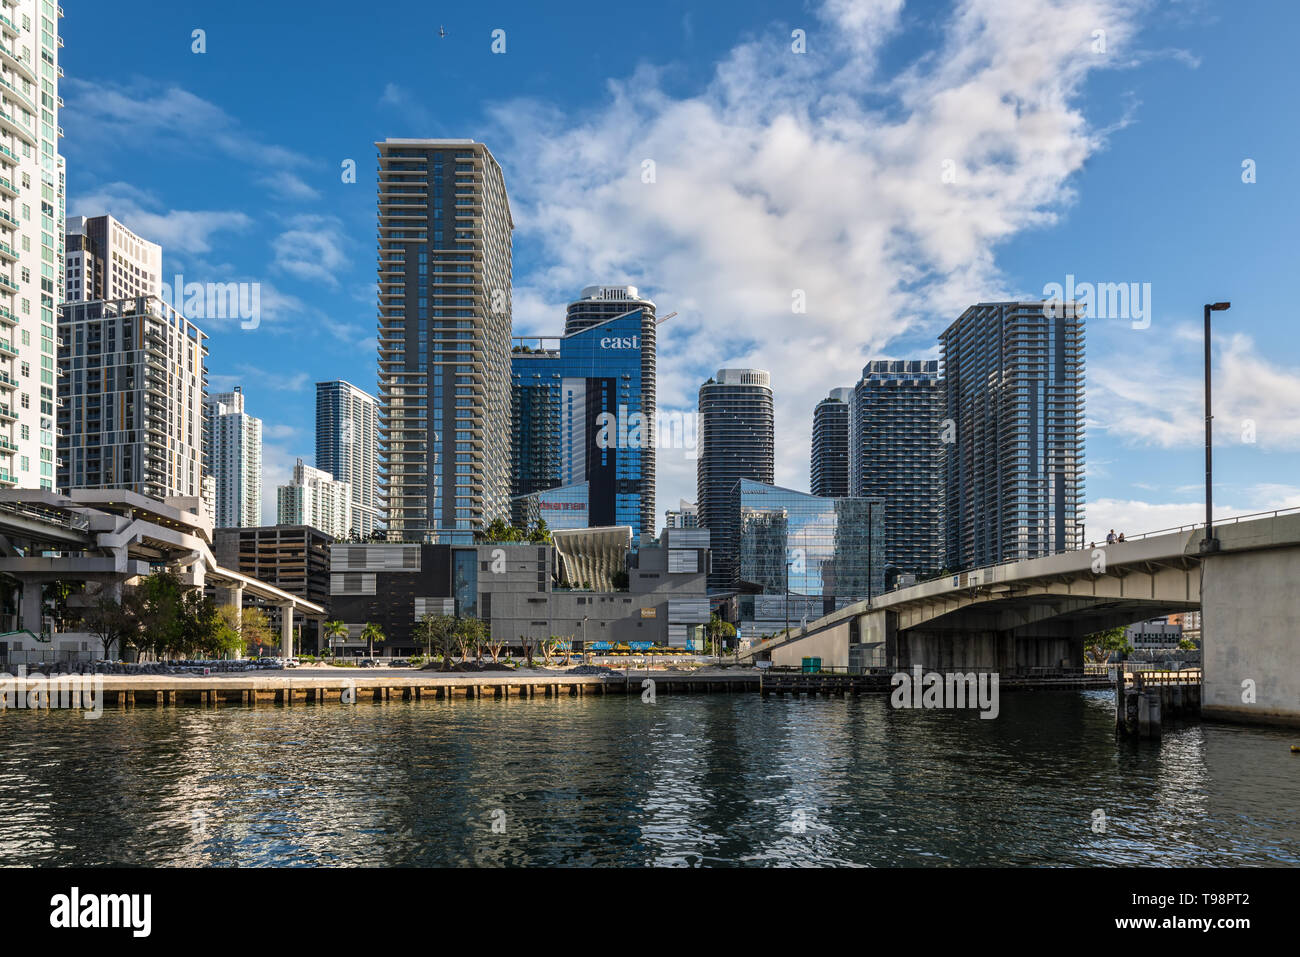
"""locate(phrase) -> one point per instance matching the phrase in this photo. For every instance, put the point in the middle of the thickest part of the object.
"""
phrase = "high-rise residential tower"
(830, 445)
(105, 260)
(444, 338)
(32, 191)
(896, 453)
(234, 459)
(132, 391)
(346, 433)
(737, 441)
(685, 515)
(1013, 373)
(315, 498)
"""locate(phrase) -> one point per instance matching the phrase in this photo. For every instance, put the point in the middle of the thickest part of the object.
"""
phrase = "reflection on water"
(705, 780)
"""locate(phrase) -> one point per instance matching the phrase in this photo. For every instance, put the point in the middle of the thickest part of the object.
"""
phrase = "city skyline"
(283, 217)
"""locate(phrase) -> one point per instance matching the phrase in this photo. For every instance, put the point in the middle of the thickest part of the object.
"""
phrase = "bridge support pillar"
(31, 607)
(286, 630)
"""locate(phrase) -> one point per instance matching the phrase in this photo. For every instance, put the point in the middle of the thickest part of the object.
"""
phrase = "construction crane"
(660, 322)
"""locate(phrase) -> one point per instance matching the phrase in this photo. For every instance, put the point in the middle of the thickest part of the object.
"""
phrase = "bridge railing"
(1230, 520)
(49, 516)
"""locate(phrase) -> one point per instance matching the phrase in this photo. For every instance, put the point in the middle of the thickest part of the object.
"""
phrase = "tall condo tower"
(830, 445)
(234, 459)
(346, 424)
(32, 191)
(1013, 373)
(132, 389)
(444, 339)
(737, 441)
(896, 453)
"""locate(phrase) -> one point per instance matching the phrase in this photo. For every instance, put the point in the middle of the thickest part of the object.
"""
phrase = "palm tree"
(333, 629)
(370, 634)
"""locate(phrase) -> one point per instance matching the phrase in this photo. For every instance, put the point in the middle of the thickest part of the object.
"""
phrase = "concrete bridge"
(109, 537)
(1021, 616)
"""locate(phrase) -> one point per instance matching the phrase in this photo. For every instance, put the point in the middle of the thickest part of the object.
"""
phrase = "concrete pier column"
(31, 607)
(286, 629)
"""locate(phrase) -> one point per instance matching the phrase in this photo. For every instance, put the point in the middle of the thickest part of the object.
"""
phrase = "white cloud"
(1152, 392)
(171, 118)
(312, 248)
(1136, 517)
(809, 172)
(176, 230)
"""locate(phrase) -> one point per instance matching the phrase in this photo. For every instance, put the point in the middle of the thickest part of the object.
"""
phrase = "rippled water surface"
(724, 779)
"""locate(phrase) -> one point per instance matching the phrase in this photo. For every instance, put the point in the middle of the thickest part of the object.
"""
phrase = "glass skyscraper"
(830, 445)
(896, 452)
(1013, 373)
(832, 549)
(444, 338)
(579, 417)
(737, 437)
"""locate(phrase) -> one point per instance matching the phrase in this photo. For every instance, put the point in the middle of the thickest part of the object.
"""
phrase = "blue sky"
(1113, 157)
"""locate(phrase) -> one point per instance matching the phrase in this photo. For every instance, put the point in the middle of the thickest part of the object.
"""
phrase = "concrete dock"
(351, 686)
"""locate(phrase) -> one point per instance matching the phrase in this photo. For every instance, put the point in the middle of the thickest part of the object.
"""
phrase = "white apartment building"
(105, 260)
(234, 459)
(32, 191)
(315, 498)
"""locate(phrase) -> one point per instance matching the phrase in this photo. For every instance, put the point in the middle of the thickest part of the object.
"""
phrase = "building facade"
(132, 389)
(824, 553)
(444, 338)
(315, 498)
(105, 260)
(32, 208)
(580, 418)
(346, 435)
(1013, 373)
(233, 458)
(737, 441)
(294, 558)
(512, 588)
(685, 515)
(830, 445)
(598, 304)
(896, 454)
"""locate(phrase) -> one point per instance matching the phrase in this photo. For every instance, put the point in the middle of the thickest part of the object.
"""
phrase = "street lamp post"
(788, 563)
(1211, 544)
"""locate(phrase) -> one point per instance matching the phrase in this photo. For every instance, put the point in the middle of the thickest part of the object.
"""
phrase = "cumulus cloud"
(1152, 394)
(812, 175)
(312, 248)
(176, 230)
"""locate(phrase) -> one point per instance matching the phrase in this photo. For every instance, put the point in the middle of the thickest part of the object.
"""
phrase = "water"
(691, 780)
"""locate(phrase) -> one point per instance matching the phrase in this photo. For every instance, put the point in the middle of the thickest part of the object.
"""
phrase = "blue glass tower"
(580, 416)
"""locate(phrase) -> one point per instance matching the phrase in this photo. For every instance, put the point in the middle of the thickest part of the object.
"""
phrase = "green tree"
(252, 627)
(1103, 644)
(110, 620)
(157, 604)
(469, 634)
(541, 533)
(370, 634)
(331, 630)
(432, 631)
(720, 633)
